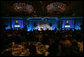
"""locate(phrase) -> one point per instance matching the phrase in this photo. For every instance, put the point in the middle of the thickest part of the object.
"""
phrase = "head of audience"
(57, 43)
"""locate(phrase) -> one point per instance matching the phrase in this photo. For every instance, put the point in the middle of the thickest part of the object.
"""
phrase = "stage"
(37, 23)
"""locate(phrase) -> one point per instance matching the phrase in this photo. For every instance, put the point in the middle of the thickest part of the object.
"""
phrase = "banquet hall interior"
(41, 28)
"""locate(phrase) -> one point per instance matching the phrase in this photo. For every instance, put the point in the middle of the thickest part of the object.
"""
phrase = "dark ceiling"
(75, 8)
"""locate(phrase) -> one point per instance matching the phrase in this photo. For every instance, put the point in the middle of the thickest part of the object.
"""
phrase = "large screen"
(69, 25)
(17, 25)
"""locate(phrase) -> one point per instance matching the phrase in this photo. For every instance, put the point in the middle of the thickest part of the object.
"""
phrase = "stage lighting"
(23, 7)
(57, 6)
(67, 25)
(17, 25)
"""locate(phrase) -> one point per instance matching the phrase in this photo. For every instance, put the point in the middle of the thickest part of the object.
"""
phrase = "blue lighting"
(74, 22)
(77, 27)
(53, 27)
(78, 23)
(71, 23)
(8, 27)
(20, 22)
(29, 29)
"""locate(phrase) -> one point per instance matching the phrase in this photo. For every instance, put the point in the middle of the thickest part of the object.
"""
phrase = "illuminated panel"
(17, 26)
(67, 26)
(70, 25)
(20, 23)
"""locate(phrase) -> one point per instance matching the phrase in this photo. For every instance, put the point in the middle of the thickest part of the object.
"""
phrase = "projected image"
(68, 24)
(44, 27)
(17, 23)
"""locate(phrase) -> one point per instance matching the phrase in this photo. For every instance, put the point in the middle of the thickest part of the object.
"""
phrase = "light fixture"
(23, 7)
